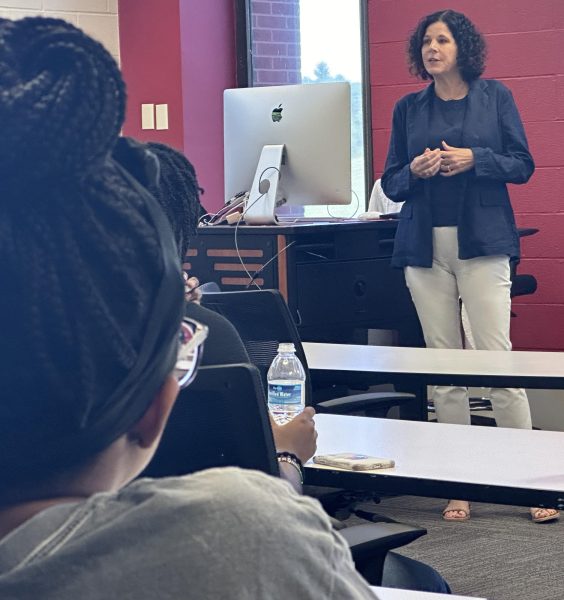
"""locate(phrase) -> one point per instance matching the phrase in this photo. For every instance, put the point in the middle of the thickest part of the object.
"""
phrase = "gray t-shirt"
(221, 533)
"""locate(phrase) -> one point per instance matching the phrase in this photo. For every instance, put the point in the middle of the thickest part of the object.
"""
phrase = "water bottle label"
(279, 393)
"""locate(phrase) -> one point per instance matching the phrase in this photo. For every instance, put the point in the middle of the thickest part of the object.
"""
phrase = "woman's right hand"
(426, 165)
(298, 436)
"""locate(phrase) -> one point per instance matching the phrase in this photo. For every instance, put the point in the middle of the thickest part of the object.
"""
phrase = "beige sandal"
(465, 513)
(553, 515)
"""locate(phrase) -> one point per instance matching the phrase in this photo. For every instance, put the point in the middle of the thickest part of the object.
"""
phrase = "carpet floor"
(499, 554)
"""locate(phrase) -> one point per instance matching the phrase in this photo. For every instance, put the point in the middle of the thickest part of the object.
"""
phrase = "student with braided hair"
(171, 178)
(177, 191)
(91, 315)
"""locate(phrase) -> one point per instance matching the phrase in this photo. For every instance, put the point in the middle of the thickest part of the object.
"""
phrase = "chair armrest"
(526, 231)
(373, 537)
(523, 285)
(370, 543)
(370, 400)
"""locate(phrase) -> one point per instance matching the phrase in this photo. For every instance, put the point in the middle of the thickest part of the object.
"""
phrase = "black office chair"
(263, 320)
(222, 420)
(522, 284)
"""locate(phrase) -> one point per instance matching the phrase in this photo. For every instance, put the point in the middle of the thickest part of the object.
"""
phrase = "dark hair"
(470, 42)
(178, 193)
(82, 255)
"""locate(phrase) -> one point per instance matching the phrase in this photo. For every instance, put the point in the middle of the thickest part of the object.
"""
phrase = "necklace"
(461, 95)
(458, 95)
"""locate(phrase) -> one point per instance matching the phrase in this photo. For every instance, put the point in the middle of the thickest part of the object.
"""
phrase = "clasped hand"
(447, 162)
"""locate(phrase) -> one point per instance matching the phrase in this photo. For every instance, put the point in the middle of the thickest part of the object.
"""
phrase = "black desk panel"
(336, 276)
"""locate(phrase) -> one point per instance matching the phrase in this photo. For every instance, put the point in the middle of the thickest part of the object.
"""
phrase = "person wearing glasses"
(177, 191)
(94, 348)
(171, 179)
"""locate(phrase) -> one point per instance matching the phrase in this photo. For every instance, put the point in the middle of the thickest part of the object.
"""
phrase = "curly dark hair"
(81, 250)
(471, 45)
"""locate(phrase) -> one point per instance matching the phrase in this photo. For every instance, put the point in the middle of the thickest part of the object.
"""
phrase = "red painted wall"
(208, 68)
(149, 32)
(181, 52)
(526, 51)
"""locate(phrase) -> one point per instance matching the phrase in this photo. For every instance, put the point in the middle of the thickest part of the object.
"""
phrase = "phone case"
(354, 462)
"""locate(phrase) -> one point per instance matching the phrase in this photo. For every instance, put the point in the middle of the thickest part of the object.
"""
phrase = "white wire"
(209, 214)
(258, 271)
(354, 212)
(245, 209)
(237, 245)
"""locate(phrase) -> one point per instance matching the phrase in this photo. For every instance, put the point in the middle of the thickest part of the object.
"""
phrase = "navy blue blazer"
(493, 130)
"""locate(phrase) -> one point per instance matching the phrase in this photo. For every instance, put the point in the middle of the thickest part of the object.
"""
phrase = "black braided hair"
(178, 193)
(81, 259)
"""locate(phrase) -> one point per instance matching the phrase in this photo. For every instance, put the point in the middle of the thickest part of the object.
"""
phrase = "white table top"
(394, 594)
(490, 458)
(545, 368)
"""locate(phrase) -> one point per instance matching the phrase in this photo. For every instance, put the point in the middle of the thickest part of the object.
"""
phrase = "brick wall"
(99, 18)
(276, 42)
(525, 42)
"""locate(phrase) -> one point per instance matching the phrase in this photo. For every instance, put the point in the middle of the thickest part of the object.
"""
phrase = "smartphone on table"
(353, 461)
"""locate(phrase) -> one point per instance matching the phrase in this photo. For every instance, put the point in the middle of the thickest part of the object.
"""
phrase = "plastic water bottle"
(286, 385)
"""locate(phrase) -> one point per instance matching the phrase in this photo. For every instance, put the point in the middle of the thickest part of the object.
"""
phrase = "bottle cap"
(286, 347)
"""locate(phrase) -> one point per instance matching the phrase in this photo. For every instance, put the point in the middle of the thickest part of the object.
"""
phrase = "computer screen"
(287, 144)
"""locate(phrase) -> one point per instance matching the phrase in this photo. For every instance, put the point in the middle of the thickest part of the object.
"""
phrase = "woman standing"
(454, 147)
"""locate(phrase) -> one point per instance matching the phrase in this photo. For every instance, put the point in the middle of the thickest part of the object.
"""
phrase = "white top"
(222, 533)
(394, 594)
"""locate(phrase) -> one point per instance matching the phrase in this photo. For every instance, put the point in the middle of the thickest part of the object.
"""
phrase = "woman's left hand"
(455, 160)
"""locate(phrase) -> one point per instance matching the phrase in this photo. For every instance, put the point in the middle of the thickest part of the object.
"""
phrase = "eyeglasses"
(190, 349)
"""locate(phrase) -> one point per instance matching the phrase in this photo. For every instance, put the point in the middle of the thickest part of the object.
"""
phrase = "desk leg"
(417, 410)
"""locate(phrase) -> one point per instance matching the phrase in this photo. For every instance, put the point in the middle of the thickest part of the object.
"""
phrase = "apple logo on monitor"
(277, 114)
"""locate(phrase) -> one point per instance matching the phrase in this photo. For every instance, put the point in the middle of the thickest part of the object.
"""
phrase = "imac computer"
(287, 144)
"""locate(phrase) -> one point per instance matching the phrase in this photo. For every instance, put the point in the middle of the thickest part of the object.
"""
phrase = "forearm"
(399, 183)
(516, 168)
(291, 475)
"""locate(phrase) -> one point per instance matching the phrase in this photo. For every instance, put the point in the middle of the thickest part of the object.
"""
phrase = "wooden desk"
(335, 277)
(419, 367)
(394, 594)
(484, 464)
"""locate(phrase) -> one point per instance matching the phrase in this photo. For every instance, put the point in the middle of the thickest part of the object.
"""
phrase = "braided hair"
(178, 193)
(81, 256)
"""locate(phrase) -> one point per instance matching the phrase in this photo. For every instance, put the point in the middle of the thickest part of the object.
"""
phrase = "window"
(284, 42)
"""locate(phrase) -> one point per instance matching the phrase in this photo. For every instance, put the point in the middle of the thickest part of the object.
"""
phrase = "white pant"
(484, 286)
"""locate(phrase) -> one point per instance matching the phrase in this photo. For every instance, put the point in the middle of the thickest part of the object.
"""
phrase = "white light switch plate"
(161, 111)
(147, 116)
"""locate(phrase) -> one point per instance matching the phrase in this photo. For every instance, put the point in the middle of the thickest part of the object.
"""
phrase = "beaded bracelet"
(292, 459)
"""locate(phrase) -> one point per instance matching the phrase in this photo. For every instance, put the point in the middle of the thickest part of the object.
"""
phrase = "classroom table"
(483, 464)
(419, 367)
(395, 594)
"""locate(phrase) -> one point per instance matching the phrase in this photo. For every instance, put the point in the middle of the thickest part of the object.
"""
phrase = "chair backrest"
(263, 320)
(522, 284)
(220, 420)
